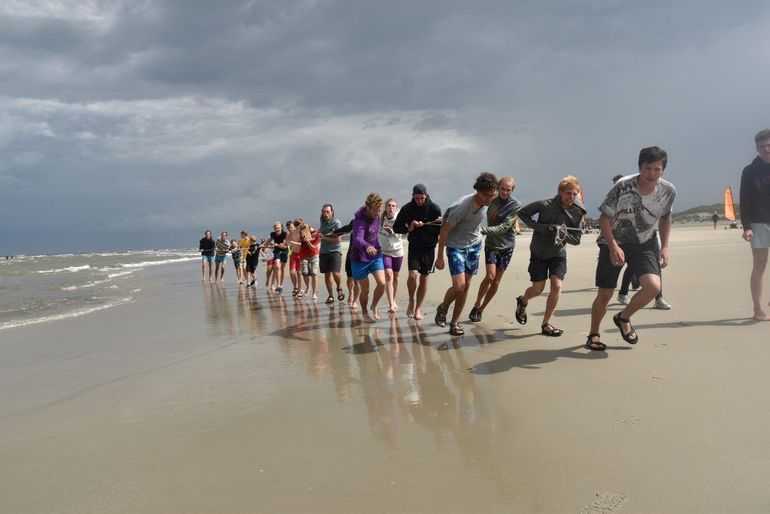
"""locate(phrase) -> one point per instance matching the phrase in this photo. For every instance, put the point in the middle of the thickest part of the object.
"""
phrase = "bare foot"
(375, 312)
(418, 314)
(367, 318)
(393, 308)
(410, 309)
(761, 316)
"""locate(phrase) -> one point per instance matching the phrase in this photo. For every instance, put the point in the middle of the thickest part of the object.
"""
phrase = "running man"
(755, 215)
(206, 247)
(421, 219)
(330, 256)
(629, 213)
(498, 245)
(222, 248)
(548, 254)
(461, 235)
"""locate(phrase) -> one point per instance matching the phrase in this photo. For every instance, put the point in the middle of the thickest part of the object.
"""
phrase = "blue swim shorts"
(219, 259)
(500, 258)
(464, 260)
(361, 270)
(207, 258)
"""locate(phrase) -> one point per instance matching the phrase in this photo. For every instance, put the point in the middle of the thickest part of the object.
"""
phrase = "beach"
(205, 398)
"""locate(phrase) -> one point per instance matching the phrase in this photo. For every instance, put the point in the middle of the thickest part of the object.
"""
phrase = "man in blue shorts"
(206, 247)
(221, 249)
(755, 215)
(461, 236)
(633, 207)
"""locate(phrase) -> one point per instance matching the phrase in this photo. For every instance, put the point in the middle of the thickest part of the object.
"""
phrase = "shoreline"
(215, 399)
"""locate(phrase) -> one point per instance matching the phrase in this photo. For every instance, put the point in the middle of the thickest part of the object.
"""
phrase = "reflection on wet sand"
(405, 379)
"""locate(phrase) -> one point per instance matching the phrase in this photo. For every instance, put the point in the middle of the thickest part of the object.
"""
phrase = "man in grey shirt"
(461, 236)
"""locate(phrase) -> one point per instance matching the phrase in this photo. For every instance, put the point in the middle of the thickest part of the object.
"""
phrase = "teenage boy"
(629, 214)
(421, 219)
(755, 215)
(461, 236)
(548, 254)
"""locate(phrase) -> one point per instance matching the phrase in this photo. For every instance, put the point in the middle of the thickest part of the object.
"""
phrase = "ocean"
(40, 288)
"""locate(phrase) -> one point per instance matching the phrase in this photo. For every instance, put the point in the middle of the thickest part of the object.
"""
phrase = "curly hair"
(373, 200)
(485, 182)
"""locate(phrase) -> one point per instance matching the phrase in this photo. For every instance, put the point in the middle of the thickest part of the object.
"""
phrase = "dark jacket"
(550, 212)
(426, 237)
(363, 235)
(755, 193)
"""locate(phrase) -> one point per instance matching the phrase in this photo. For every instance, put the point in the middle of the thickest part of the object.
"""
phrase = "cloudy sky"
(138, 124)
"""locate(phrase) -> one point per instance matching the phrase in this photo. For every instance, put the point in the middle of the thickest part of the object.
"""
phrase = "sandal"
(294, 292)
(440, 318)
(455, 329)
(300, 294)
(596, 346)
(549, 330)
(631, 337)
(330, 299)
(340, 294)
(521, 311)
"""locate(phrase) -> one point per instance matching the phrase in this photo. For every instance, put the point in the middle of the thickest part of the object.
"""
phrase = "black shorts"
(640, 259)
(421, 258)
(330, 262)
(251, 263)
(541, 269)
(282, 255)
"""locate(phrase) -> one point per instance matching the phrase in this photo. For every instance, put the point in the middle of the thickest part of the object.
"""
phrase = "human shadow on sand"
(730, 322)
(533, 359)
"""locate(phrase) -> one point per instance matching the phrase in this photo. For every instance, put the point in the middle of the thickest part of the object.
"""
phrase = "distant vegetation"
(703, 213)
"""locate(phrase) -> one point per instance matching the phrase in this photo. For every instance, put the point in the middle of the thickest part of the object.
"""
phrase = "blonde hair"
(569, 182)
(304, 230)
(373, 200)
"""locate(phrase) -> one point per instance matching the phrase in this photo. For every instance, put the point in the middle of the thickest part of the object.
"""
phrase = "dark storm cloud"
(157, 118)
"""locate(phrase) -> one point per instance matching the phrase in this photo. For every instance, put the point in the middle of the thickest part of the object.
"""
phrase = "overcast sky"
(138, 124)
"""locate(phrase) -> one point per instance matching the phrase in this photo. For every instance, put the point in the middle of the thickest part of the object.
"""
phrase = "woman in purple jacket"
(365, 254)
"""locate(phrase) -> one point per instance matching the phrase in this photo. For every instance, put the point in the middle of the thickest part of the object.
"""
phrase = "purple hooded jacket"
(363, 235)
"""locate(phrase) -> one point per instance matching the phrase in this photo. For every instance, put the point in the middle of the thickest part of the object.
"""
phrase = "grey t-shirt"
(635, 217)
(465, 221)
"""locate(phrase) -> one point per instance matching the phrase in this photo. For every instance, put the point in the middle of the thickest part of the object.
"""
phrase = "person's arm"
(445, 228)
(401, 225)
(664, 229)
(617, 257)
(502, 227)
(745, 203)
(525, 214)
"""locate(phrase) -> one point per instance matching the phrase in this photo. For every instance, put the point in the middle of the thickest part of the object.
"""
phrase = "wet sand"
(210, 399)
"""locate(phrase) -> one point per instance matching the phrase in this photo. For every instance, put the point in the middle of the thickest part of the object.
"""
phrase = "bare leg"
(759, 256)
(389, 289)
(363, 298)
(411, 288)
(553, 298)
(599, 307)
(460, 286)
(328, 281)
(485, 285)
(650, 287)
(422, 290)
(379, 289)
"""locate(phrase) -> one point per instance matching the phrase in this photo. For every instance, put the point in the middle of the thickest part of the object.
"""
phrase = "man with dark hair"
(206, 247)
(461, 235)
(629, 213)
(755, 215)
(421, 219)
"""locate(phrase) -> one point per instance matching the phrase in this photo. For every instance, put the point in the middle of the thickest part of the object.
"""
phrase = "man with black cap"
(421, 219)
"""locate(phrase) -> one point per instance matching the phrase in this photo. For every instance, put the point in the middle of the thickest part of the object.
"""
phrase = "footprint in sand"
(605, 503)
(655, 375)
(661, 344)
(627, 423)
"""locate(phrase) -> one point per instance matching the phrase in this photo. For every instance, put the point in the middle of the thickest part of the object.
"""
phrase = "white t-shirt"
(635, 217)
(390, 244)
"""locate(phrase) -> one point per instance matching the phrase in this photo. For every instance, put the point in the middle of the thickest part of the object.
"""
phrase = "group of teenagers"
(635, 225)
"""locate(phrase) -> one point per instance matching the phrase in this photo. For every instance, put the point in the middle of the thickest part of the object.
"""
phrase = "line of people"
(635, 224)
